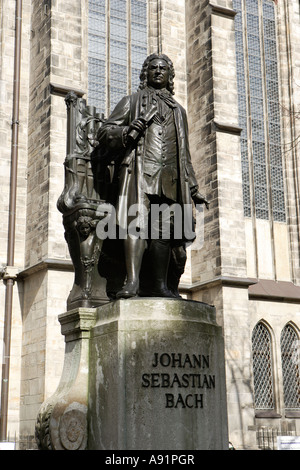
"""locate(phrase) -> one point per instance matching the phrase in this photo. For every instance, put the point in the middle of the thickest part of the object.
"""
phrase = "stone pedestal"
(62, 420)
(157, 377)
(139, 374)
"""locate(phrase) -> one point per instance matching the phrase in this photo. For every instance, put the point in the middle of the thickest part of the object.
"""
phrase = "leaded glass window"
(242, 102)
(289, 343)
(262, 368)
(118, 50)
(138, 39)
(259, 110)
(97, 54)
(117, 35)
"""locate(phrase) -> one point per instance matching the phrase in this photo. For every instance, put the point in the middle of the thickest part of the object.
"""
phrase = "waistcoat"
(160, 161)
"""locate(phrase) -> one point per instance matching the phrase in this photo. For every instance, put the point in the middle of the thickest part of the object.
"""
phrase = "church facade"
(238, 77)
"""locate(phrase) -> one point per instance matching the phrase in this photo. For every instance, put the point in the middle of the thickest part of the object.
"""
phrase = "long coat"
(130, 159)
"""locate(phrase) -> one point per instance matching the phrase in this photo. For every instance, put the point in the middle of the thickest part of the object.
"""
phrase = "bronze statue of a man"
(147, 136)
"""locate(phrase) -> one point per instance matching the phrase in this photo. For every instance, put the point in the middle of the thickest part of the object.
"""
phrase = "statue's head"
(146, 73)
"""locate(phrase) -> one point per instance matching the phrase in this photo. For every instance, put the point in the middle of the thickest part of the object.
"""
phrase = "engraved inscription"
(181, 382)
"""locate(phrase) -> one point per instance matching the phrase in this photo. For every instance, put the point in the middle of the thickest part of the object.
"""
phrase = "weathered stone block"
(156, 377)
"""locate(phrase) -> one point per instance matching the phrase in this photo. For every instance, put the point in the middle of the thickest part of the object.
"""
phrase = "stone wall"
(214, 138)
(58, 63)
(7, 49)
(236, 248)
(289, 55)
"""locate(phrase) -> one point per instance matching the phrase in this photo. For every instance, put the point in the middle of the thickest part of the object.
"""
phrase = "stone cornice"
(222, 11)
(275, 291)
(258, 289)
(220, 280)
(61, 90)
(49, 263)
(227, 128)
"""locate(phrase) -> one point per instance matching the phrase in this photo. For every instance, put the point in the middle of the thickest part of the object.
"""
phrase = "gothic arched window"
(289, 344)
(262, 368)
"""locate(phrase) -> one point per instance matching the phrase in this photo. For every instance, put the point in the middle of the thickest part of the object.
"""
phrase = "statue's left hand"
(199, 199)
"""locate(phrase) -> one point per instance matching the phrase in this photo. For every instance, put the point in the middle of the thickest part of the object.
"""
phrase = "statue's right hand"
(137, 125)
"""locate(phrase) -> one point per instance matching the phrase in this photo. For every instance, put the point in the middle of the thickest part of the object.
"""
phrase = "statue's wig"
(144, 72)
